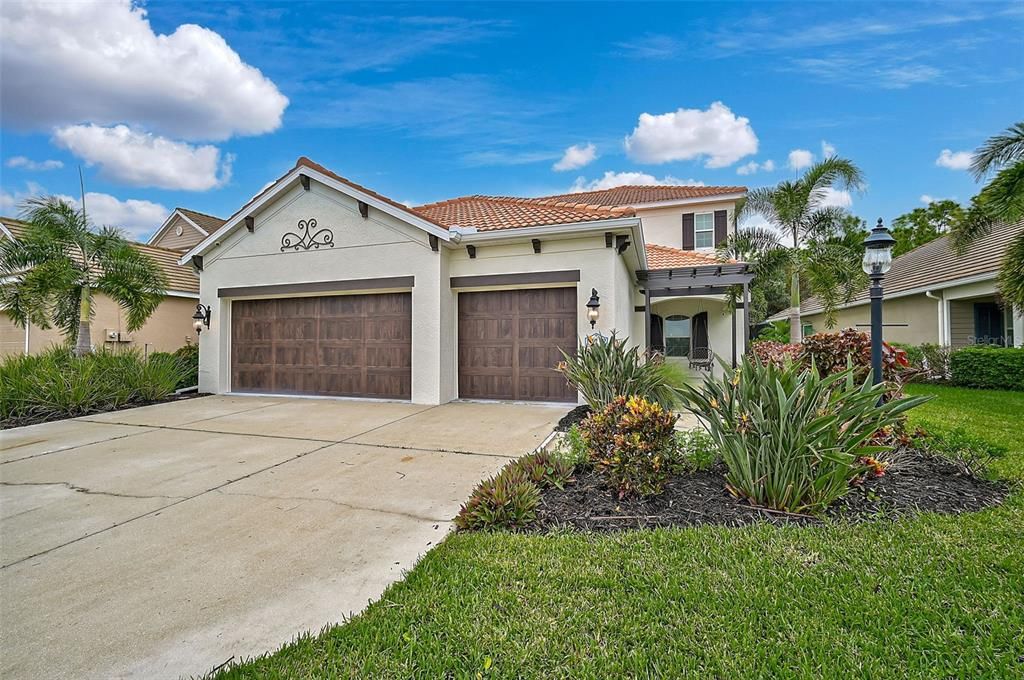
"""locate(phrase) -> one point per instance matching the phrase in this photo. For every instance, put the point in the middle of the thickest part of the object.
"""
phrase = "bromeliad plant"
(793, 440)
(606, 368)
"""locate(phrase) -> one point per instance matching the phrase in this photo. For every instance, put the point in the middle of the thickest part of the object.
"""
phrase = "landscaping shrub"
(936, 360)
(508, 500)
(544, 469)
(769, 351)
(631, 441)
(605, 368)
(572, 449)
(694, 450)
(775, 332)
(791, 439)
(188, 356)
(57, 384)
(993, 368)
(969, 452)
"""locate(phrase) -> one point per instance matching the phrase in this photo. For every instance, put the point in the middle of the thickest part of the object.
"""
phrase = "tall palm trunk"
(796, 333)
(84, 344)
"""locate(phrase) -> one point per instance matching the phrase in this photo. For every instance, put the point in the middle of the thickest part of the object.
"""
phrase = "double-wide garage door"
(509, 343)
(338, 345)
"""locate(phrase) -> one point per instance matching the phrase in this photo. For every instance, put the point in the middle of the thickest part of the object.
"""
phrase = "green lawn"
(938, 596)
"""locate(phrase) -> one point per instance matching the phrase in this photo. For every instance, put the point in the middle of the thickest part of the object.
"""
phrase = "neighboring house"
(934, 295)
(169, 327)
(184, 229)
(320, 286)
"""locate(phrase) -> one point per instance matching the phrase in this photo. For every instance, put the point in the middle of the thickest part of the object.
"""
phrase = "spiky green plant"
(605, 368)
(791, 439)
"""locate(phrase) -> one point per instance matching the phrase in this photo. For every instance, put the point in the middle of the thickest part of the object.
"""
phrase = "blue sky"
(426, 101)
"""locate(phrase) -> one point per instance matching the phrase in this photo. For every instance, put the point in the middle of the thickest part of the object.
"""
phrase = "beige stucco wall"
(165, 331)
(190, 236)
(664, 226)
(919, 313)
(384, 246)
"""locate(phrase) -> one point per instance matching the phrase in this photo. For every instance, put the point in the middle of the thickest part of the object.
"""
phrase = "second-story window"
(704, 230)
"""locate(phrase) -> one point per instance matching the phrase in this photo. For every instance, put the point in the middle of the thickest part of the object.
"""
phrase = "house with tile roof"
(167, 329)
(321, 286)
(183, 229)
(935, 295)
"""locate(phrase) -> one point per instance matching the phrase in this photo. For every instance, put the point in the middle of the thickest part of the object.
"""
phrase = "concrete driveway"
(164, 541)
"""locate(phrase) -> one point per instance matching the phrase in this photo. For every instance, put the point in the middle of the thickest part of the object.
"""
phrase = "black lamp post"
(201, 318)
(877, 260)
(592, 306)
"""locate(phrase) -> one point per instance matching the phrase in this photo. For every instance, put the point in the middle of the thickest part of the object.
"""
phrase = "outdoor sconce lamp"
(592, 307)
(201, 318)
(877, 260)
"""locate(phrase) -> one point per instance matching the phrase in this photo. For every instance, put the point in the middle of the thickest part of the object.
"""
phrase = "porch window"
(704, 230)
(677, 336)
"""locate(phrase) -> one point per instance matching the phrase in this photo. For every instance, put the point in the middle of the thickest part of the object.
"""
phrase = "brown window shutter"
(687, 231)
(721, 228)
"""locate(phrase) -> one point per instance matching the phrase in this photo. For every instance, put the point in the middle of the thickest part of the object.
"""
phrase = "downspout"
(942, 321)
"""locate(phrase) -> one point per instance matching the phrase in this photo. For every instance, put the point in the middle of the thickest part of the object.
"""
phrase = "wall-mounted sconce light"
(201, 318)
(592, 307)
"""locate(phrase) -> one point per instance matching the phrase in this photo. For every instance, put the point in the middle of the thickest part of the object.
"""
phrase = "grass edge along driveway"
(935, 596)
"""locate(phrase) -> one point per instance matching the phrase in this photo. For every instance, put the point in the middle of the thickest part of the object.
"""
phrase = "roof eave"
(713, 198)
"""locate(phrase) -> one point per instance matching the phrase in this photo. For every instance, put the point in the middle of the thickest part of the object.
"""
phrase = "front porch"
(688, 318)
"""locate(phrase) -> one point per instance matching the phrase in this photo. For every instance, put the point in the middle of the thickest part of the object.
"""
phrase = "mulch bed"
(49, 418)
(916, 482)
(573, 417)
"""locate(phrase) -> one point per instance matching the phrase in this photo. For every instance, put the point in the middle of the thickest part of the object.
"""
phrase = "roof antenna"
(81, 184)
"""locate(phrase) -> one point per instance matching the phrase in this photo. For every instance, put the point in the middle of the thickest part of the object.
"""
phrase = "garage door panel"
(352, 345)
(509, 340)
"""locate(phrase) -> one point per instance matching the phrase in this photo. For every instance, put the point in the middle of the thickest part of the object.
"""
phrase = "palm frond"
(1011, 273)
(999, 151)
(833, 173)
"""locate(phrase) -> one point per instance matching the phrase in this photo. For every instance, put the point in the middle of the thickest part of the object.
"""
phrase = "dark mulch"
(573, 417)
(916, 482)
(8, 423)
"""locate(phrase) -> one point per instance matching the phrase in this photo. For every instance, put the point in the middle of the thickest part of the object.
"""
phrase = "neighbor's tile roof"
(665, 257)
(490, 213)
(208, 223)
(936, 263)
(639, 195)
(179, 278)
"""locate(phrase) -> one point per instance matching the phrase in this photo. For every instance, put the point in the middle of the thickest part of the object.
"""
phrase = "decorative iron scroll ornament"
(310, 237)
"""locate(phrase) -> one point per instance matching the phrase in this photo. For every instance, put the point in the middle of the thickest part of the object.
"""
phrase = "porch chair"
(702, 358)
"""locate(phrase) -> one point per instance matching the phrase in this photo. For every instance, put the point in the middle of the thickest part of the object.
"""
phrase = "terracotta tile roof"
(179, 278)
(936, 263)
(638, 195)
(665, 257)
(208, 223)
(490, 213)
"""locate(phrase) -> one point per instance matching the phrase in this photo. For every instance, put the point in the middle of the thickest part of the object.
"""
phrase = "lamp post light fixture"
(877, 260)
(201, 318)
(592, 307)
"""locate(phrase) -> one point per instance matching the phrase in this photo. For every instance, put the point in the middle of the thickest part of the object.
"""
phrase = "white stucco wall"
(664, 226)
(719, 321)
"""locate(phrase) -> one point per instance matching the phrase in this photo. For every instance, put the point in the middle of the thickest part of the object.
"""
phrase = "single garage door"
(335, 345)
(509, 342)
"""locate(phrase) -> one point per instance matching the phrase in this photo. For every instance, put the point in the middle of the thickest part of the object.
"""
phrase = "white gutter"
(181, 293)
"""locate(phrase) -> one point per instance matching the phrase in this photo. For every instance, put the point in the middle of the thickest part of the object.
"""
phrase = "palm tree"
(799, 210)
(1001, 200)
(51, 274)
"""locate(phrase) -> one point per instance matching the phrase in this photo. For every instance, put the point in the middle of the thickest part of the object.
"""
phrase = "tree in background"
(800, 211)
(1000, 201)
(51, 274)
(921, 225)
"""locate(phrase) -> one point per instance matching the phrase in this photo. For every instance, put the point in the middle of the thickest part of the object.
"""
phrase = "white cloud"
(954, 160)
(716, 134)
(926, 199)
(753, 167)
(35, 166)
(145, 160)
(827, 149)
(137, 218)
(618, 179)
(63, 63)
(576, 156)
(837, 198)
(800, 159)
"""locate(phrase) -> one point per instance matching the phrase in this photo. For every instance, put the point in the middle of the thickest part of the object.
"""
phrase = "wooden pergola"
(712, 279)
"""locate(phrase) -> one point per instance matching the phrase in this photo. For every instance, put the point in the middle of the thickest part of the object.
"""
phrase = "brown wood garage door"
(509, 341)
(337, 345)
